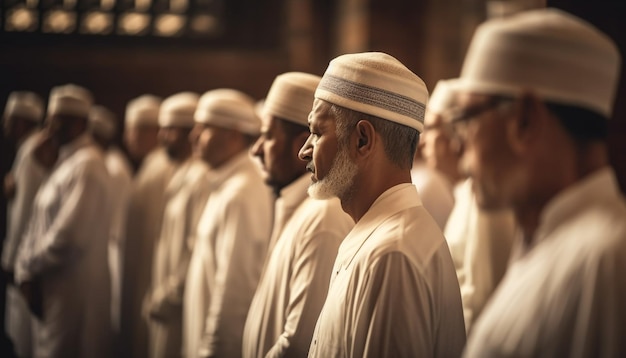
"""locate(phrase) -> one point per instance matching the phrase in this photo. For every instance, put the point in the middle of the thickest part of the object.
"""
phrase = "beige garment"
(435, 190)
(295, 277)
(185, 196)
(65, 251)
(28, 176)
(142, 229)
(393, 290)
(120, 173)
(480, 243)
(226, 263)
(565, 296)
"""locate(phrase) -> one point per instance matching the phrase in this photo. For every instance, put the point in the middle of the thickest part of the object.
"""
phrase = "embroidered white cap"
(229, 108)
(143, 111)
(25, 104)
(102, 122)
(556, 55)
(291, 97)
(70, 100)
(178, 109)
(377, 84)
(442, 97)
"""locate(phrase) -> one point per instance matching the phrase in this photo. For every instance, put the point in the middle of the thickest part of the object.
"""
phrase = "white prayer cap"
(559, 57)
(442, 97)
(228, 108)
(377, 84)
(102, 122)
(27, 105)
(177, 110)
(291, 97)
(71, 100)
(143, 111)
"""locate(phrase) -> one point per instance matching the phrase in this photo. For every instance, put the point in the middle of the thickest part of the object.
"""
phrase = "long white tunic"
(480, 243)
(435, 190)
(393, 290)
(566, 296)
(120, 174)
(186, 197)
(143, 227)
(226, 263)
(295, 278)
(28, 176)
(65, 250)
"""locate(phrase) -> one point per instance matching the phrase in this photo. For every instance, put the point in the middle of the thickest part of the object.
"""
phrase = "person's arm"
(308, 288)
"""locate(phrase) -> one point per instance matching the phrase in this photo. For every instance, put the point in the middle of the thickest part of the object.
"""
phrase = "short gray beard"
(338, 181)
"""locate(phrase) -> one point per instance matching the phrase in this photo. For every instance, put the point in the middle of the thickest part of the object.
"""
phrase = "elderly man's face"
(481, 125)
(211, 143)
(140, 140)
(174, 139)
(328, 159)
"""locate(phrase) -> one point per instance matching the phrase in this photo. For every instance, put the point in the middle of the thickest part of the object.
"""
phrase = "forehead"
(320, 113)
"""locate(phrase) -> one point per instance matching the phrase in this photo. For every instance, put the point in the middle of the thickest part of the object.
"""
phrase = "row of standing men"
(220, 264)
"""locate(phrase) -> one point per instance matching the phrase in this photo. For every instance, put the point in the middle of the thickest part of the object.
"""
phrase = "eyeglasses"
(460, 119)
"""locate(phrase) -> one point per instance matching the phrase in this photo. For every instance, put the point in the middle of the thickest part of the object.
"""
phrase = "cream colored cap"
(143, 111)
(556, 55)
(71, 100)
(442, 97)
(27, 105)
(291, 97)
(102, 122)
(377, 84)
(228, 108)
(177, 110)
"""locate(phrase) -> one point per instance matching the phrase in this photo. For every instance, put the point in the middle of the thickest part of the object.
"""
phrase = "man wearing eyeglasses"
(537, 90)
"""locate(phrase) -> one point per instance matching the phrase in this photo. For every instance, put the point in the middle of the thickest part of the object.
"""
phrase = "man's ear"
(365, 137)
(527, 122)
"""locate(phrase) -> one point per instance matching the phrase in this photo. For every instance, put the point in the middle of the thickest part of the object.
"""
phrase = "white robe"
(142, 230)
(65, 250)
(28, 176)
(393, 290)
(186, 197)
(565, 297)
(435, 190)
(480, 243)
(231, 245)
(120, 173)
(295, 278)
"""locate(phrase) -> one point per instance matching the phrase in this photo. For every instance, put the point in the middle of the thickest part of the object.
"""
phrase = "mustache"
(310, 167)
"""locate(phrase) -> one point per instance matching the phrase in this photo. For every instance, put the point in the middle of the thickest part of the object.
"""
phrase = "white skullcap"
(228, 108)
(177, 110)
(557, 56)
(442, 97)
(27, 105)
(143, 111)
(291, 97)
(377, 84)
(102, 122)
(71, 100)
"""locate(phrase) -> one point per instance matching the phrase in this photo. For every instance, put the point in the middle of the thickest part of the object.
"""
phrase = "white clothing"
(120, 174)
(142, 230)
(226, 263)
(28, 176)
(65, 252)
(435, 191)
(295, 277)
(393, 290)
(565, 297)
(480, 243)
(185, 197)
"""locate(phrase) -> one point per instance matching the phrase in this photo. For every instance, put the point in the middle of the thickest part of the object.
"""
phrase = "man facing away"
(393, 290)
(306, 232)
(23, 115)
(234, 229)
(62, 264)
(536, 91)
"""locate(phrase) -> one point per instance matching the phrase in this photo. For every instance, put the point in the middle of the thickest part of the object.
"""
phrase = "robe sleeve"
(70, 230)
(308, 289)
(392, 312)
